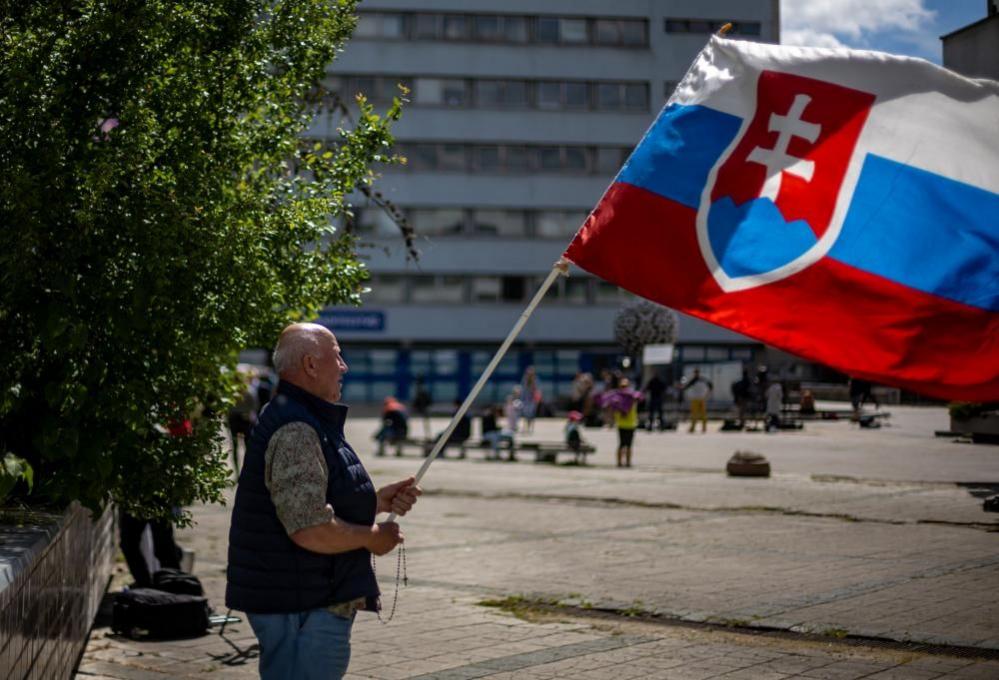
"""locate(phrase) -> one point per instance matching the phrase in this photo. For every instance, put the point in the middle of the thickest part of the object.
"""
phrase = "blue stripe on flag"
(924, 231)
(675, 156)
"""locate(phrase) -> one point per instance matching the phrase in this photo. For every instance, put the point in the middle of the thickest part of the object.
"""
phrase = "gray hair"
(297, 341)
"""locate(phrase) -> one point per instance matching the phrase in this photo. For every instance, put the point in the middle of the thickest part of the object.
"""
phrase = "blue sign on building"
(353, 320)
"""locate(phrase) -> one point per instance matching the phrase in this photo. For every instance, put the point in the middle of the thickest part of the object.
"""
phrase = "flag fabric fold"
(841, 205)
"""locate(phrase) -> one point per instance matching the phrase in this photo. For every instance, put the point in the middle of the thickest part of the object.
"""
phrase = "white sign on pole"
(653, 355)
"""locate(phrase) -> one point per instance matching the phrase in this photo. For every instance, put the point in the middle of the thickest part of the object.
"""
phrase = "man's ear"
(309, 365)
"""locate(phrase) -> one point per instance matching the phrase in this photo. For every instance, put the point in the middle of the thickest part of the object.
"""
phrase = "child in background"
(625, 408)
(574, 436)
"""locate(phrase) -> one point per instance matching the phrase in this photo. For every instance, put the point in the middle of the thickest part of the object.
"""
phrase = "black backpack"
(146, 612)
(177, 582)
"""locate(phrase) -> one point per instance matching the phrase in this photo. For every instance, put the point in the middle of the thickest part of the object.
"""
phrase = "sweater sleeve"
(296, 476)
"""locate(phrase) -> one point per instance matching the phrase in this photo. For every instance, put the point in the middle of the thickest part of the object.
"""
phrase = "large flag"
(841, 205)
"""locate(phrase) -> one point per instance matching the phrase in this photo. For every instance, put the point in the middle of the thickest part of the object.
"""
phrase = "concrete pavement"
(859, 534)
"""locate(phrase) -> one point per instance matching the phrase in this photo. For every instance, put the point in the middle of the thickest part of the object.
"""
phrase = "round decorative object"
(748, 464)
(642, 323)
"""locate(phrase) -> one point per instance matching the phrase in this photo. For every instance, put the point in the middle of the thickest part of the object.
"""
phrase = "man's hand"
(399, 497)
(384, 537)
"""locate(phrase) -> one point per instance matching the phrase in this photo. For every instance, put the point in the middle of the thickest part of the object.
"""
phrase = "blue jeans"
(310, 645)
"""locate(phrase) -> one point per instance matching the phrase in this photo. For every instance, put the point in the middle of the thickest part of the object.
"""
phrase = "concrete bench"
(547, 452)
(544, 452)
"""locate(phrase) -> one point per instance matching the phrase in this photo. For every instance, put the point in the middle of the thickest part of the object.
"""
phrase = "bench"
(547, 452)
(544, 452)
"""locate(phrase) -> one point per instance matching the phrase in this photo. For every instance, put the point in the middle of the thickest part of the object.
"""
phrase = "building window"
(513, 288)
(516, 159)
(716, 353)
(503, 159)
(572, 31)
(451, 157)
(456, 27)
(420, 157)
(485, 289)
(547, 30)
(386, 289)
(451, 92)
(499, 222)
(673, 25)
(622, 96)
(437, 221)
(437, 289)
(385, 25)
(426, 26)
(501, 94)
(375, 221)
(559, 223)
(607, 293)
(503, 29)
(376, 89)
(545, 95)
(555, 95)
(487, 159)
(609, 160)
(576, 291)
(619, 32)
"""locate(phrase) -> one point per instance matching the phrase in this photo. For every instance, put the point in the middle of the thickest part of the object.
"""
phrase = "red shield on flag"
(770, 206)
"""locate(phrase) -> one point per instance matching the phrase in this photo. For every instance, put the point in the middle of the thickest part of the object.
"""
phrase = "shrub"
(160, 211)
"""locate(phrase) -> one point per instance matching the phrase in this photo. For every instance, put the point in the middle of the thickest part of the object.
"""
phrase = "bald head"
(308, 355)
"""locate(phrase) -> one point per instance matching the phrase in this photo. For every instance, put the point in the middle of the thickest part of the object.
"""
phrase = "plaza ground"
(866, 554)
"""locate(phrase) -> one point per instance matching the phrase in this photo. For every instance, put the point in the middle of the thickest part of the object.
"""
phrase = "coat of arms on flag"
(842, 205)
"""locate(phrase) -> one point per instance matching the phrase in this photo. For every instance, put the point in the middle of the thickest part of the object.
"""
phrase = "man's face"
(331, 368)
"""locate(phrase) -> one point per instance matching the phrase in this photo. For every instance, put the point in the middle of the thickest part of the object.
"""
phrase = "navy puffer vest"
(267, 572)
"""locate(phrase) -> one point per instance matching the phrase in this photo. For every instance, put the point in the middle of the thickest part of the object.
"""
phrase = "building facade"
(520, 113)
(974, 49)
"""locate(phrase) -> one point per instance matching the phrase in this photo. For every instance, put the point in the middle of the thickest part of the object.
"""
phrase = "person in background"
(655, 388)
(698, 391)
(422, 401)
(742, 390)
(265, 388)
(582, 383)
(243, 416)
(395, 426)
(493, 434)
(530, 395)
(775, 403)
(609, 381)
(574, 436)
(860, 392)
(807, 404)
(165, 548)
(460, 434)
(511, 409)
(626, 420)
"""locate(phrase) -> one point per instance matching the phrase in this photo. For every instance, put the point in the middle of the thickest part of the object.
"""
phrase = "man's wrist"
(370, 534)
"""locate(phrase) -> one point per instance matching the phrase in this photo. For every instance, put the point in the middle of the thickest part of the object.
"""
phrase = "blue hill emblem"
(754, 238)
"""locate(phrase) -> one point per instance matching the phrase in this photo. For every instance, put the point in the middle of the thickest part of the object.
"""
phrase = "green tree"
(159, 210)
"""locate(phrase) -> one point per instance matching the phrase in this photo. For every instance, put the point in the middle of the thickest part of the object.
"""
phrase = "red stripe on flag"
(858, 323)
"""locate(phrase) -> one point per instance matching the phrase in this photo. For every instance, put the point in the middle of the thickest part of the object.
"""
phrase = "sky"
(909, 27)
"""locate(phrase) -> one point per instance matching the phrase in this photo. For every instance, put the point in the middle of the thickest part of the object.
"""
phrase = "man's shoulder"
(293, 436)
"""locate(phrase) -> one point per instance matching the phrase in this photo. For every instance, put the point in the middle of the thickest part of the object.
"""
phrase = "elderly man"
(303, 524)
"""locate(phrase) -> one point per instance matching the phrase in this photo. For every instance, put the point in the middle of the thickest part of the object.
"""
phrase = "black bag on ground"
(177, 582)
(146, 612)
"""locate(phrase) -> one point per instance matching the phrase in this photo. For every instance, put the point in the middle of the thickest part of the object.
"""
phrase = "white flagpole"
(559, 268)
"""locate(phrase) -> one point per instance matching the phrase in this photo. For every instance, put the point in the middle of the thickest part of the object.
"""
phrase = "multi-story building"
(521, 112)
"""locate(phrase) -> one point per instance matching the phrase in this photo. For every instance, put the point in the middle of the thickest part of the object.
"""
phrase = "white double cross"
(777, 160)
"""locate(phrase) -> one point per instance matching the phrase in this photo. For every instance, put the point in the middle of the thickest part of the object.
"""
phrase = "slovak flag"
(841, 205)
